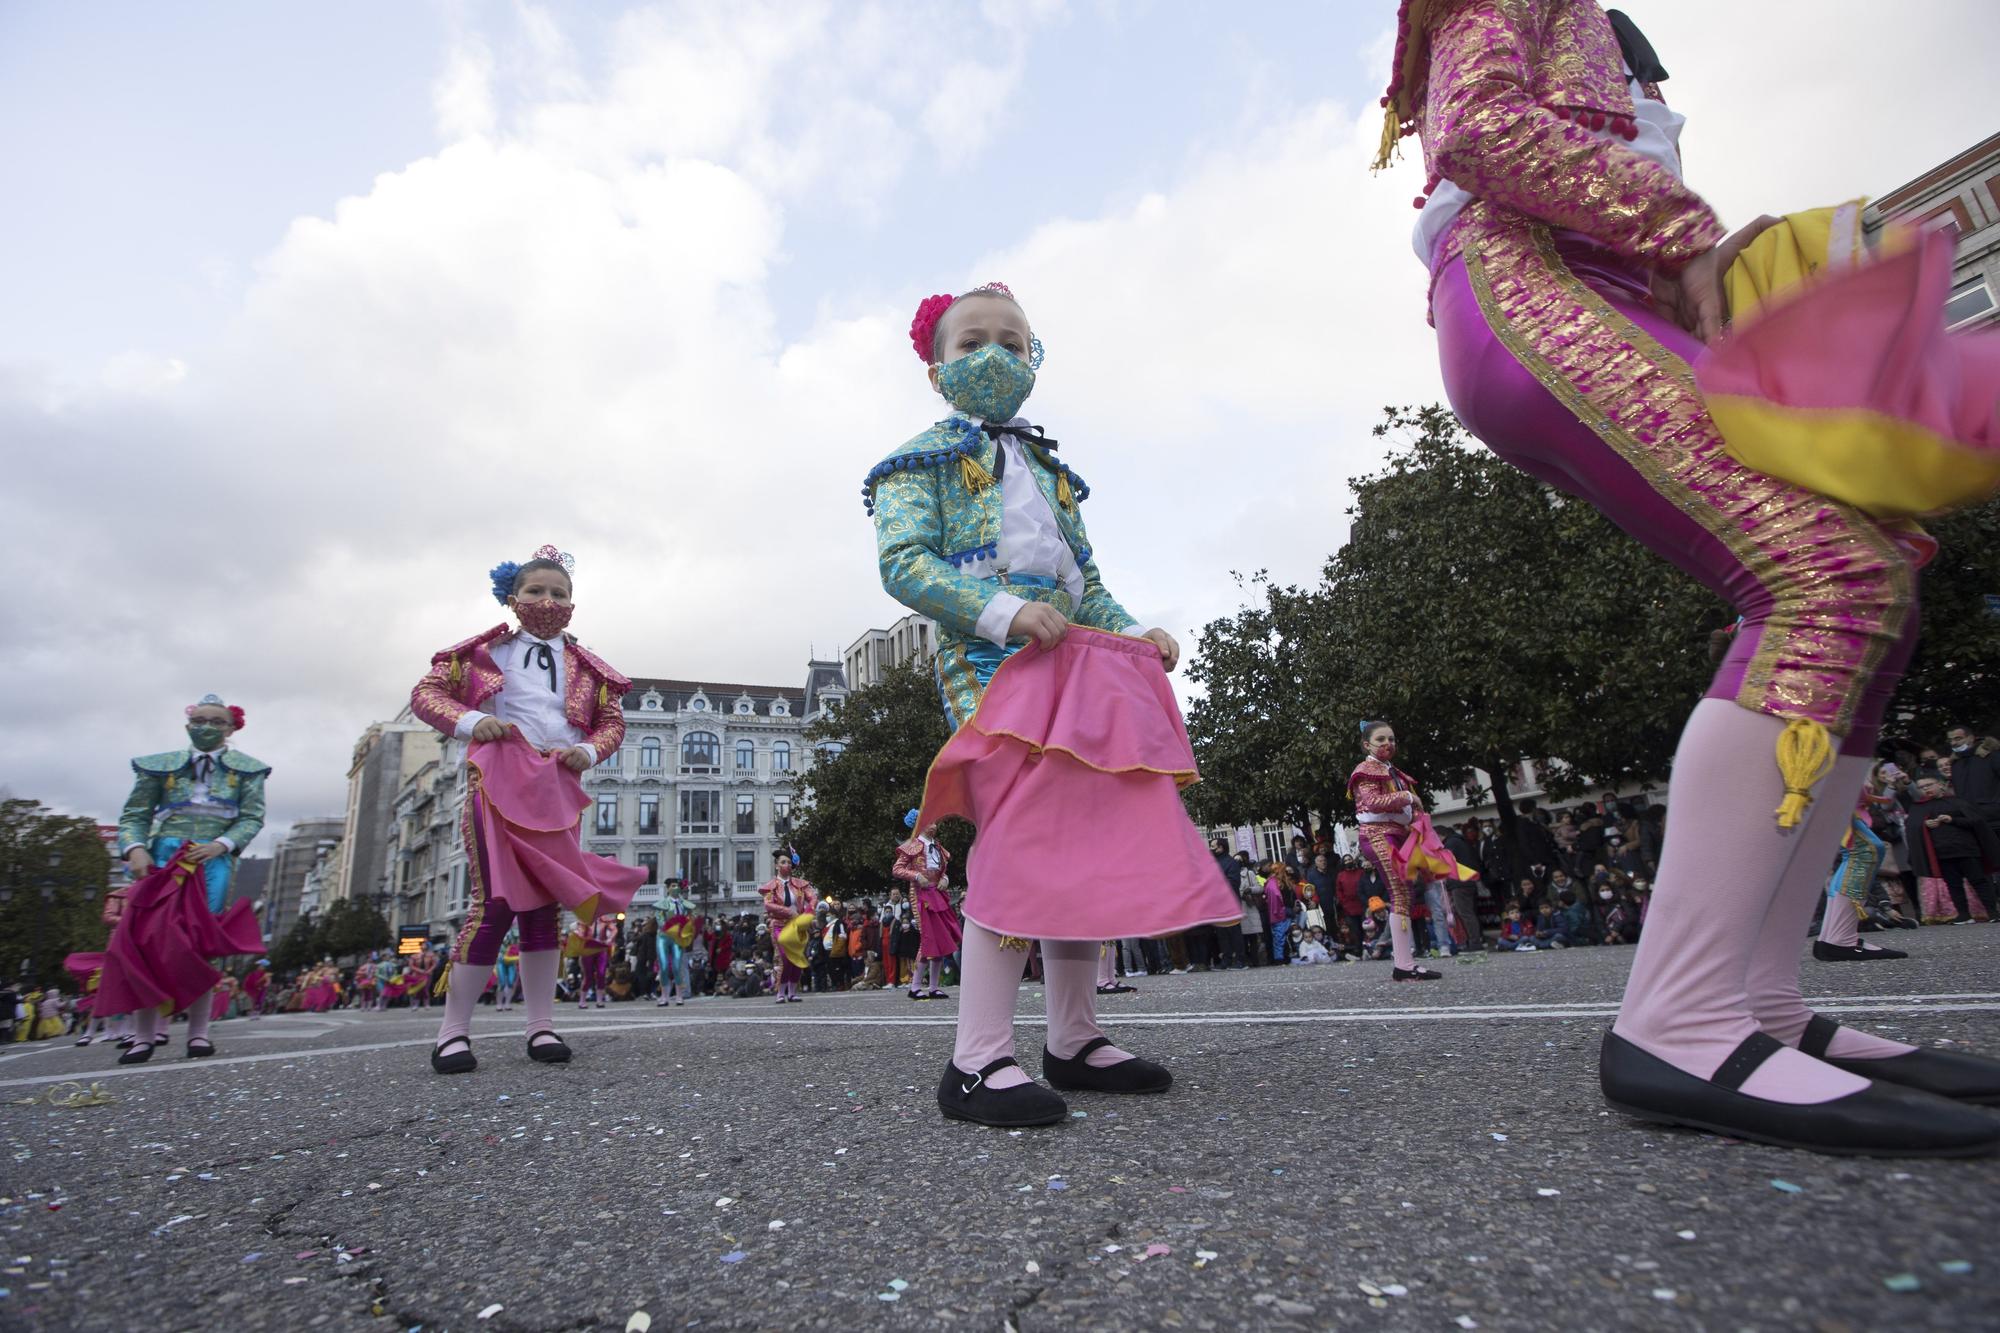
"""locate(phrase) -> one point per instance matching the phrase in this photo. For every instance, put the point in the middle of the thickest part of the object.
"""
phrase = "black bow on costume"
(1026, 434)
(1638, 52)
(539, 654)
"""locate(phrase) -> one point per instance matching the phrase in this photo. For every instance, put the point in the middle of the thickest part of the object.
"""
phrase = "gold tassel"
(443, 983)
(603, 695)
(457, 672)
(1063, 492)
(1392, 138)
(974, 474)
(1805, 755)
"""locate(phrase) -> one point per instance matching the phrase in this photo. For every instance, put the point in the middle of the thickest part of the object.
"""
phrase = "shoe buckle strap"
(1744, 1060)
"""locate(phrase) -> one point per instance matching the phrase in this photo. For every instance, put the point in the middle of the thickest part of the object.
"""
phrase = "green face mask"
(206, 737)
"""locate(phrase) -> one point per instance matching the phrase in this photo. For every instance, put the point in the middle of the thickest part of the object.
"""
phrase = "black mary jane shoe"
(458, 1062)
(553, 1052)
(200, 1048)
(1881, 1120)
(1077, 1074)
(137, 1054)
(1418, 973)
(1959, 1075)
(963, 1096)
(1843, 953)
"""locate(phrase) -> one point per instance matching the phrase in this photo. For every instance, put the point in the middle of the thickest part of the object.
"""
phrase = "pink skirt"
(528, 808)
(160, 948)
(937, 924)
(1072, 768)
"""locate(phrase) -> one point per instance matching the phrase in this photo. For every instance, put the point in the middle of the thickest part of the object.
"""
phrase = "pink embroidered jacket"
(913, 866)
(1515, 94)
(464, 677)
(1381, 789)
(804, 900)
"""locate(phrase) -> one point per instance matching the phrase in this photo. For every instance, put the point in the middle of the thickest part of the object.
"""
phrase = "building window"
(649, 753)
(650, 863)
(781, 816)
(744, 708)
(701, 868)
(779, 708)
(746, 815)
(698, 704)
(746, 865)
(607, 814)
(781, 756)
(830, 749)
(649, 814)
(746, 757)
(1968, 303)
(701, 752)
(701, 811)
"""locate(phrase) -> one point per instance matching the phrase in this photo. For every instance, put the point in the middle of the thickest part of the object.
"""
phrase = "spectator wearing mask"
(1975, 773)
(1465, 892)
(1228, 938)
(1348, 900)
(1250, 892)
(1950, 842)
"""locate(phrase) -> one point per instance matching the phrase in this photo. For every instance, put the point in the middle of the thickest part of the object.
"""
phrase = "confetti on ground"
(1201, 1257)
(305, 1254)
(1466, 1321)
(490, 1311)
(1685, 1235)
(70, 1095)
(1499, 1138)
(1394, 1289)
(1032, 1267)
(1903, 1282)
(1058, 1183)
(1176, 1189)
(1955, 1266)
(724, 1201)
(640, 1322)
(1155, 1251)
(734, 1257)
(1369, 1289)
(1548, 1193)
(1787, 1186)
(890, 1296)
(775, 1225)
(1664, 1293)
(253, 1256)
(1079, 1115)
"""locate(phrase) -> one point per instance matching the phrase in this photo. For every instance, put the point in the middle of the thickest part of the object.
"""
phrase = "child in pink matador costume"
(1398, 840)
(1575, 280)
(1064, 720)
(592, 943)
(789, 904)
(538, 709)
(923, 863)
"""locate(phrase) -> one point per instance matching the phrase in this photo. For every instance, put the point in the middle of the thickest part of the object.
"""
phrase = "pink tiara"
(563, 558)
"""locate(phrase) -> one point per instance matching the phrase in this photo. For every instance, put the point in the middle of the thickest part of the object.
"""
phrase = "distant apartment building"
(385, 758)
(877, 650)
(1962, 194)
(302, 847)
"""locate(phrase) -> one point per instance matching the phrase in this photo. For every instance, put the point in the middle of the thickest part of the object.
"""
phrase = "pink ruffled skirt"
(526, 814)
(1072, 767)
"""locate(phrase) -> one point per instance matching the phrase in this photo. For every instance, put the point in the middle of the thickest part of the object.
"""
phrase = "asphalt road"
(1337, 1151)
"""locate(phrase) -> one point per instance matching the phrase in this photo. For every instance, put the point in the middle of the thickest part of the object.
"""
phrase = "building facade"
(869, 657)
(302, 847)
(1962, 194)
(385, 758)
(701, 791)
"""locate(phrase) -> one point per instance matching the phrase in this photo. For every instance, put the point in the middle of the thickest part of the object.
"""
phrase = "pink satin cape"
(159, 950)
(1071, 767)
(527, 824)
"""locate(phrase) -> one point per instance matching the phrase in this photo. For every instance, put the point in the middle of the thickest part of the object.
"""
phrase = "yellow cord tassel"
(1805, 755)
(443, 983)
(457, 673)
(1392, 138)
(974, 474)
(603, 695)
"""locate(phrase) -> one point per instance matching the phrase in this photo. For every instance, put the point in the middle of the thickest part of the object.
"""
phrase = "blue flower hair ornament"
(910, 820)
(503, 575)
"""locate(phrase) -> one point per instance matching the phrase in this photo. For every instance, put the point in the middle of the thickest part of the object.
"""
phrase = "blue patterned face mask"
(990, 384)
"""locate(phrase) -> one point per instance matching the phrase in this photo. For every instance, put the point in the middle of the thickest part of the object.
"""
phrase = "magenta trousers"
(1553, 356)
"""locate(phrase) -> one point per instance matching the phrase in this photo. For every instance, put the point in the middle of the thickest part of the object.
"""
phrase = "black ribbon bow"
(203, 766)
(1026, 434)
(539, 655)
(1638, 52)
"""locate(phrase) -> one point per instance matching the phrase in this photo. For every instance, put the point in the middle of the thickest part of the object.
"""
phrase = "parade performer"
(925, 865)
(537, 709)
(1847, 891)
(1574, 278)
(507, 972)
(189, 817)
(257, 986)
(789, 902)
(422, 968)
(1062, 716)
(592, 944)
(366, 980)
(1398, 840)
(675, 933)
(87, 969)
(386, 969)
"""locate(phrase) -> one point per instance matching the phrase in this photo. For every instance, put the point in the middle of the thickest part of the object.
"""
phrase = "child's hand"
(1170, 652)
(1041, 622)
(577, 758)
(490, 729)
(207, 851)
(138, 862)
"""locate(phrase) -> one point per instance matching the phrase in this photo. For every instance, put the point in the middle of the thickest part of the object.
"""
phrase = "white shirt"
(1031, 542)
(1659, 141)
(198, 795)
(526, 699)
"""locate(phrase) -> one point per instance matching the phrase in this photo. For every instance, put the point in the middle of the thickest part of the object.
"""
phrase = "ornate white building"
(701, 791)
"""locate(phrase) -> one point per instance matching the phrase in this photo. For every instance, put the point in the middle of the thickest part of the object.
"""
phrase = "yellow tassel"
(1392, 138)
(603, 695)
(974, 474)
(1063, 493)
(1805, 755)
(457, 673)
(443, 983)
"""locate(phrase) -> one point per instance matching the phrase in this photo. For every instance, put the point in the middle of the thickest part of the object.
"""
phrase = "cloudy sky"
(311, 313)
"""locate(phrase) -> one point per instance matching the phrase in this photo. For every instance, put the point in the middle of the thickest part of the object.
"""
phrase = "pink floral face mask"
(544, 620)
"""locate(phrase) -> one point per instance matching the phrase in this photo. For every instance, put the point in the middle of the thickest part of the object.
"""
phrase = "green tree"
(298, 949)
(870, 760)
(54, 871)
(350, 927)
(1955, 675)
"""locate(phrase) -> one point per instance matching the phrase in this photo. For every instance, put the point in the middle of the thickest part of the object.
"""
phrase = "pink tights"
(989, 982)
